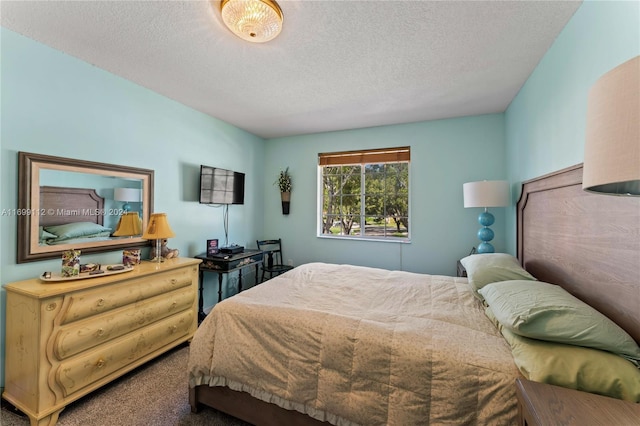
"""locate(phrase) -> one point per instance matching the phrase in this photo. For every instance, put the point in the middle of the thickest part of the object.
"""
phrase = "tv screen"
(220, 186)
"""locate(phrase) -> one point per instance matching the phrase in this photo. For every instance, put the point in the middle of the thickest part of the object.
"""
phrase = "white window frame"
(357, 156)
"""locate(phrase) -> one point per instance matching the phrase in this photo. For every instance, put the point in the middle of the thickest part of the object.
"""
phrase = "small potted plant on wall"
(284, 183)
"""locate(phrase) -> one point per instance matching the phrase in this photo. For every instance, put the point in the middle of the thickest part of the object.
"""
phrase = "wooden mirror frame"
(29, 166)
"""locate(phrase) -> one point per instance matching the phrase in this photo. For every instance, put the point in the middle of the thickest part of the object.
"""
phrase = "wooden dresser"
(66, 339)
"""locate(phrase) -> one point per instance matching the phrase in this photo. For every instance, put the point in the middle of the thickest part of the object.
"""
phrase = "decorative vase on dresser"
(66, 339)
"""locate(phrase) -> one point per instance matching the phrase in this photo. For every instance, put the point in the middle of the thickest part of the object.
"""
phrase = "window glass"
(365, 194)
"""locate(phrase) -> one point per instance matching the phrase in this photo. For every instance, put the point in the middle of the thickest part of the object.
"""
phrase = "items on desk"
(212, 247)
(232, 249)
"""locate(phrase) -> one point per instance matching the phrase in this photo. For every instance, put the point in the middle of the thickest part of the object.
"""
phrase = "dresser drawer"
(78, 372)
(82, 335)
(84, 304)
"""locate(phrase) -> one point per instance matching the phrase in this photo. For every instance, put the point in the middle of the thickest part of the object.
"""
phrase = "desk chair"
(272, 261)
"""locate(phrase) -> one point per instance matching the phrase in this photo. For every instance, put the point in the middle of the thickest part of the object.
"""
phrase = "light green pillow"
(76, 230)
(44, 235)
(545, 311)
(483, 269)
(575, 367)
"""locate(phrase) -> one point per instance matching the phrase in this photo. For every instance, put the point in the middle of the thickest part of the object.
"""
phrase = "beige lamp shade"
(486, 193)
(129, 225)
(612, 145)
(158, 227)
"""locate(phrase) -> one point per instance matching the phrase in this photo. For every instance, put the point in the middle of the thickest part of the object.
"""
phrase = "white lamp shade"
(486, 193)
(612, 145)
(126, 194)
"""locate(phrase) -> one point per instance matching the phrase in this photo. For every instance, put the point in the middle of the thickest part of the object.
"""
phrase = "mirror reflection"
(118, 195)
(81, 205)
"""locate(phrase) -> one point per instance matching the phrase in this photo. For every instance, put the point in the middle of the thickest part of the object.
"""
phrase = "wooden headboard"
(587, 243)
(70, 205)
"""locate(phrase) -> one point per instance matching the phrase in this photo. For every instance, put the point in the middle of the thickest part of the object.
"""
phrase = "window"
(365, 194)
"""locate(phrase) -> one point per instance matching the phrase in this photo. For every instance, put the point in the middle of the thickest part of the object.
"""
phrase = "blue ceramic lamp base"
(485, 234)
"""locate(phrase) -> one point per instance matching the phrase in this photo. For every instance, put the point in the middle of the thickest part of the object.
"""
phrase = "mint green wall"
(444, 155)
(55, 104)
(545, 123)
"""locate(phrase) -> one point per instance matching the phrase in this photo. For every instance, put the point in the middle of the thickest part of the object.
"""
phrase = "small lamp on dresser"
(129, 225)
(158, 230)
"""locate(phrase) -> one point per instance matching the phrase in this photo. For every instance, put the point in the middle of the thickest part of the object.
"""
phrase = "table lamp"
(158, 230)
(128, 226)
(127, 195)
(612, 145)
(487, 193)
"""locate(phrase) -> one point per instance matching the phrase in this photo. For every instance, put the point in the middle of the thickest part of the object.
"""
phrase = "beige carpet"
(155, 394)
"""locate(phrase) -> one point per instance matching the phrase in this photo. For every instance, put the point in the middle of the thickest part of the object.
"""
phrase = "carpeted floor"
(155, 394)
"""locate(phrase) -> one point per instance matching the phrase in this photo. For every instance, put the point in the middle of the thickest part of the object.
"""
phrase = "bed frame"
(589, 244)
(71, 204)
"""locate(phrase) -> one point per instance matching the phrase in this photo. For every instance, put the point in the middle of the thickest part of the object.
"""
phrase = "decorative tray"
(106, 271)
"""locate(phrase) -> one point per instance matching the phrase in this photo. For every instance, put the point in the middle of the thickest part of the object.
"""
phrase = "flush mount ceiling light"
(256, 21)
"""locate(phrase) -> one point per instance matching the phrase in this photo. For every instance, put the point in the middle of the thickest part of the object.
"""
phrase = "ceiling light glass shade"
(612, 145)
(256, 21)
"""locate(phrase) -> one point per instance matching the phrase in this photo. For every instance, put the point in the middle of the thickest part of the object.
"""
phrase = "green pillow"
(76, 230)
(483, 269)
(575, 367)
(44, 235)
(545, 311)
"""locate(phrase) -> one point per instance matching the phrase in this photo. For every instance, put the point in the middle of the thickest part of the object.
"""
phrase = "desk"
(224, 264)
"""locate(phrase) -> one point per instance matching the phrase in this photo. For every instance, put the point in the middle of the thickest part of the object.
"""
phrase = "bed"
(408, 348)
(72, 216)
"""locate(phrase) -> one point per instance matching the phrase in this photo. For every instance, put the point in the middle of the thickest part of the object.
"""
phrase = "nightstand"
(541, 404)
(461, 271)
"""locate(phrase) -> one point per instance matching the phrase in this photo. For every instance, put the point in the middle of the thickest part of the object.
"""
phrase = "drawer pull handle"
(173, 305)
(174, 281)
(100, 302)
(173, 329)
(100, 332)
(101, 362)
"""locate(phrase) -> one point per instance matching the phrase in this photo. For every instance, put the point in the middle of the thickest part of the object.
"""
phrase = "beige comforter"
(355, 345)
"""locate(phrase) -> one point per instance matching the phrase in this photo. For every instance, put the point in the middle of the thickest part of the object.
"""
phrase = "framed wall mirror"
(68, 204)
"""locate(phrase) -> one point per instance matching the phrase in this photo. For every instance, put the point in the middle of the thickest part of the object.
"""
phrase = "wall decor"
(284, 184)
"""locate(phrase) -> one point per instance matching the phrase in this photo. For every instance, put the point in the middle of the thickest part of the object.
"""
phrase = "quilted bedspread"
(355, 345)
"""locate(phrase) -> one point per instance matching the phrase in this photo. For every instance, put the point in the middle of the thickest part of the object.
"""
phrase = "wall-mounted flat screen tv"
(221, 186)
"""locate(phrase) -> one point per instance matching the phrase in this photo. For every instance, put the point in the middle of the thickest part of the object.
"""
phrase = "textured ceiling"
(336, 65)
